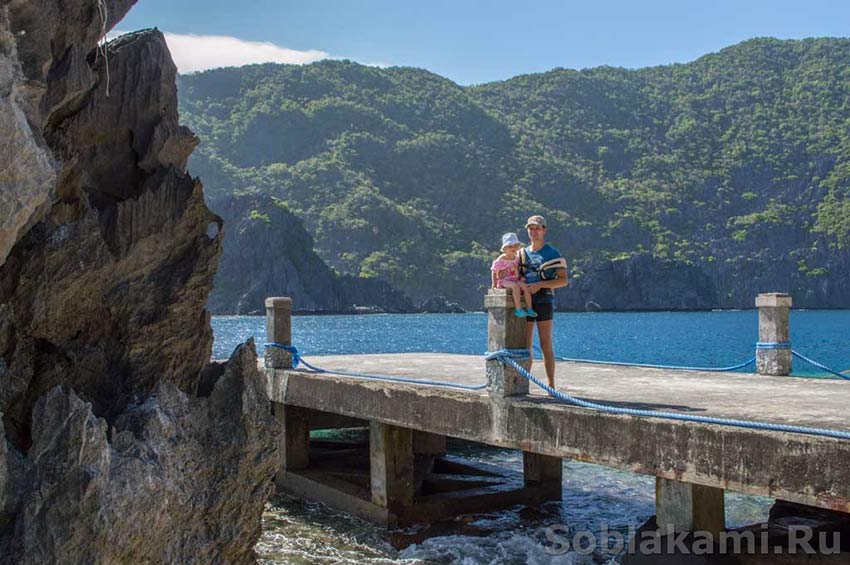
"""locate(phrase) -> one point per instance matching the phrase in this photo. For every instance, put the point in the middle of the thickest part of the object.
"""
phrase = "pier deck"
(801, 468)
(793, 401)
(402, 474)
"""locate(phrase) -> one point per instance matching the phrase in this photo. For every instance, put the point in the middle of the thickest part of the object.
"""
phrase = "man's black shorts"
(545, 310)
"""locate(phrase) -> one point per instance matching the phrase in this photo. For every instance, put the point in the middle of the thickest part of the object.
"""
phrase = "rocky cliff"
(112, 416)
(644, 282)
(269, 252)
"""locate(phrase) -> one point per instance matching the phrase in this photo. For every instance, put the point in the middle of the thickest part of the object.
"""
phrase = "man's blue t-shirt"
(534, 259)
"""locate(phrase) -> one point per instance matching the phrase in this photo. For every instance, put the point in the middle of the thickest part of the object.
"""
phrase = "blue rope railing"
(298, 359)
(509, 359)
(655, 366)
(759, 345)
(819, 365)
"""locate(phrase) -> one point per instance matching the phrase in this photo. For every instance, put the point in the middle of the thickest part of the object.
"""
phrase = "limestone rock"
(106, 294)
(269, 252)
(161, 490)
(27, 173)
(118, 442)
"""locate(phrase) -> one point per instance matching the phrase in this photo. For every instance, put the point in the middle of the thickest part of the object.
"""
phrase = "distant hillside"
(683, 186)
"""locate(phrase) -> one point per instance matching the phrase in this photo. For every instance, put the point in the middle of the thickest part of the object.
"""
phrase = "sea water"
(593, 497)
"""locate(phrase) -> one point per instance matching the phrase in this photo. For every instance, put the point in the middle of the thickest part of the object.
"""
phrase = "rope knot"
(296, 358)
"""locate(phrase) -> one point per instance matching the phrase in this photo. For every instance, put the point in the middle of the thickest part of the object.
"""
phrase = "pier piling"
(391, 465)
(688, 507)
(774, 328)
(278, 331)
(504, 331)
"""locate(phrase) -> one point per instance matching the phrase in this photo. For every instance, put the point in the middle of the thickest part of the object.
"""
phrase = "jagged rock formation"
(268, 252)
(111, 414)
(156, 487)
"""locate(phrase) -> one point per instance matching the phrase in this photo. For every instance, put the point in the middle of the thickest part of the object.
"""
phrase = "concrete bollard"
(504, 331)
(278, 330)
(774, 327)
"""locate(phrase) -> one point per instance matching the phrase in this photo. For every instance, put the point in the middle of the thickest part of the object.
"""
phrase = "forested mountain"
(683, 186)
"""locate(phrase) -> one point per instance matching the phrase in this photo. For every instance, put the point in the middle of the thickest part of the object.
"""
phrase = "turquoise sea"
(299, 532)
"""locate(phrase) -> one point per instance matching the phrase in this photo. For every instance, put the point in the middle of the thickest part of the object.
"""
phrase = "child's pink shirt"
(512, 267)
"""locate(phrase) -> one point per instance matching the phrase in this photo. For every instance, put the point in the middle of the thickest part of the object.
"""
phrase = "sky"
(475, 41)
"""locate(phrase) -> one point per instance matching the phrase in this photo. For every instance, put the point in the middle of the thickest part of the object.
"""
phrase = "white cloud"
(193, 52)
(200, 52)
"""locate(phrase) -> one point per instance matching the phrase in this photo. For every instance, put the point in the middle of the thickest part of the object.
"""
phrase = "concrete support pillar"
(543, 469)
(687, 507)
(294, 439)
(425, 443)
(774, 327)
(391, 465)
(504, 331)
(278, 330)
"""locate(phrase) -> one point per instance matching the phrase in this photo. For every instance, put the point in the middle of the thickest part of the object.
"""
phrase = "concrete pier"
(404, 474)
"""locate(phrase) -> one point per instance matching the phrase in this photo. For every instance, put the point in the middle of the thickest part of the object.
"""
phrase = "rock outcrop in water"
(122, 443)
(269, 252)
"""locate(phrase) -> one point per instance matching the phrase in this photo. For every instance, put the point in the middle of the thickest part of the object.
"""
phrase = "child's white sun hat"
(510, 239)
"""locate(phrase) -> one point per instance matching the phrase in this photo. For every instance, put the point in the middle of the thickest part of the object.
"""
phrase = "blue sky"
(479, 41)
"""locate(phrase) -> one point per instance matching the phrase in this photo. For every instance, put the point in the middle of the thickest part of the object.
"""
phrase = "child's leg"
(515, 292)
(526, 293)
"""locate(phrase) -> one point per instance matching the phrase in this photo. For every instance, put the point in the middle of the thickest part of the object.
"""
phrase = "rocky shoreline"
(112, 415)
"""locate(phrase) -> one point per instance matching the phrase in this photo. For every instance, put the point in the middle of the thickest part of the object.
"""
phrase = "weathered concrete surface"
(806, 469)
(294, 439)
(774, 327)
(686, 507)
(504, 331)
(391, 465)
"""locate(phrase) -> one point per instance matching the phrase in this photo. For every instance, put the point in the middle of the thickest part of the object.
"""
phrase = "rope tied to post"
(509, 360)
(296, 358)
(511, 353)
(773, 345)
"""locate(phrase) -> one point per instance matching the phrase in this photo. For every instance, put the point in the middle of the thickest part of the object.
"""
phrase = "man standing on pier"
(545, 270)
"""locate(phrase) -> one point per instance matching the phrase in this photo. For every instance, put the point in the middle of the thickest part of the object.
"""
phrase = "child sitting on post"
(505, 274)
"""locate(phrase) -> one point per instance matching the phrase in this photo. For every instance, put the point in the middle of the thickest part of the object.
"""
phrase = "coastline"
(557, 310)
